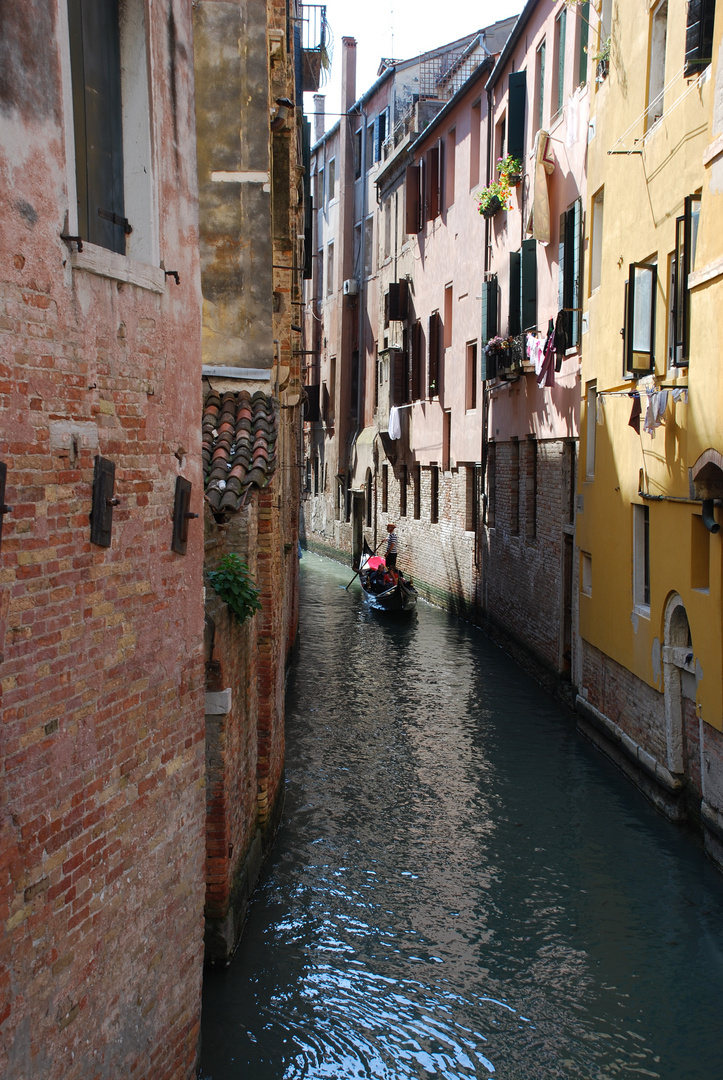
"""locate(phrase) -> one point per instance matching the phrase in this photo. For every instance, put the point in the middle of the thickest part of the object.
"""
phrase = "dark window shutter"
(397, 300)
(433, 355)
(311, 409)
(432, 205)
(388, 306)
(399, 380)
(680, 309)
(4, 509)
(96, 79)
(101, 514)
(440, 175)
(489, 309)
(415, 360)
(411, 197)
(576, 317)
(421, 203)
(406, 367)
(528, 288)
(516, 114)
(582, 55)
(513, 319)
(561, 262)
(624, 331)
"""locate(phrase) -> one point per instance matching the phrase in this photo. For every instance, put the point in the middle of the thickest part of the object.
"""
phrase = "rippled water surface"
(462, 886)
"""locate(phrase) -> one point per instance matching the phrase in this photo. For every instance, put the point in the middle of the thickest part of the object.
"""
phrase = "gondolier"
(390, 557)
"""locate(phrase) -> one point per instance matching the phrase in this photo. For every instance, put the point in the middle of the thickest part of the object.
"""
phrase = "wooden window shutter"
(433, 355)
(415, 360)
(516, 114)
(96, 81)
(513, 317)
(440, 175)
(680, 311)
(398, 384)
(387, 306)
(411, 198)
(407, 368)
(4, 508)
(432, 205)
(528, 285)
(397, 300)
(577, 238)
(489, 309)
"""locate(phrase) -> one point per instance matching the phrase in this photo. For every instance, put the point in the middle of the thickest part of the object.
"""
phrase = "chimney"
(319, 100)
(348, 73)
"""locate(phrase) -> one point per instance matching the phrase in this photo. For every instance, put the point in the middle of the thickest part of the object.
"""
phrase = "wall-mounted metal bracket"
(173, 274)
(104, 499)
(73, 240)
(181, 515)
(4, 508)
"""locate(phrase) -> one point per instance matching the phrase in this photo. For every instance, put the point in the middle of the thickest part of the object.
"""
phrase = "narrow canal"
(462, 886)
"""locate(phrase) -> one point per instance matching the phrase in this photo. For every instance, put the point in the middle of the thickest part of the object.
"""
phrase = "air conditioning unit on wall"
(351, 287)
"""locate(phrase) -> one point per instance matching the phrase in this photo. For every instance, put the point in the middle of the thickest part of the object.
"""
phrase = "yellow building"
(649, 668)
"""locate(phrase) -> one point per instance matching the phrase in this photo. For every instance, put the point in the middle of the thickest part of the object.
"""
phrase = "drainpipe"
(362, 283)
(708, 517)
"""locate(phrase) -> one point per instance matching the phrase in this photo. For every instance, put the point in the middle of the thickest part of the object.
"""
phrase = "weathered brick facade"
(101, 648)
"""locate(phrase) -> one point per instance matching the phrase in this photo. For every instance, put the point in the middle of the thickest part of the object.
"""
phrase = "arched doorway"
(679, 688)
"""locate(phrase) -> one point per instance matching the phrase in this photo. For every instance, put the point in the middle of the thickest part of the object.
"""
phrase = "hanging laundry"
(395, 426)
(635, 412)
(535, 352)
(547, 371)
(680, 393)
(561, 341)
(538, 220)
(655, 411)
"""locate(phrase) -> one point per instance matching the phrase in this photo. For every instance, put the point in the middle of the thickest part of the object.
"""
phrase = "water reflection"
(462, 887)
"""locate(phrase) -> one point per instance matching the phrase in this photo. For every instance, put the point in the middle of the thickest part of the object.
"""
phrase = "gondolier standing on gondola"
(391, 554)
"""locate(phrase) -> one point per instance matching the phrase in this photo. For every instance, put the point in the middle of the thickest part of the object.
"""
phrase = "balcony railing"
(315, 46)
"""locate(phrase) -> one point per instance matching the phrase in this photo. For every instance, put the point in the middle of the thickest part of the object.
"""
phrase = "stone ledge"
(640, 757)
(218, 703)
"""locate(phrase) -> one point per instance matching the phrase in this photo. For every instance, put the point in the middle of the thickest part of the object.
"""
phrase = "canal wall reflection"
(462, 886)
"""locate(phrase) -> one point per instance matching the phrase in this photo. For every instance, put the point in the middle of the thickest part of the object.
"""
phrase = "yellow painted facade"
(644, 158)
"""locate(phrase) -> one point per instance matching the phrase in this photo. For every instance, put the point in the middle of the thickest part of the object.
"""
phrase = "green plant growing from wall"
(233, 582)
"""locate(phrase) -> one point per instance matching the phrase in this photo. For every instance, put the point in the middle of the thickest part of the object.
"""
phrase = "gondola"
(385, 589)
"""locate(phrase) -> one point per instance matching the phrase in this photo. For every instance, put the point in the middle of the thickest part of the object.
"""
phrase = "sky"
(399, 29)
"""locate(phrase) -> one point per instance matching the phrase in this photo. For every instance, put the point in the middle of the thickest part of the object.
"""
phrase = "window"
(639, 330)
(449, 177)
(699, 554)
(111, 121)
(474, 144)
(319, 189)
(448, 303)
(540, 84)
(403, 492)
(330, 269)
(471, 505)
(586, 573)
(387, 229)
(531, 489)
(515, 487)
(382, 125)
(656, 71)
(371, 144)
(416, 361)
(417, 492)
(357, 154)
(369, 246)
(471, 377)
(339, 501)
(385, 489)
(434, 494)
(489, 312)
(433, 341)
(446, 439)
(591, 424)
(332, 391)
(582, 38)
(501, 139)
(398, 299)
(686, 239)
(598, 205)
(491, 485)
(522, 307)
(699, 36)
(570, 272)
(331, 179)
(414, 198)
(560, 33)
(434, 166)
(641, 559)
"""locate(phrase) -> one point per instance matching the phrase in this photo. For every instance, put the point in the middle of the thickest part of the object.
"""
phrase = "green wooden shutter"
(516, 114)
(513, 320)
(95, 73)
(582, 57)
(576, 316)
(528, 285)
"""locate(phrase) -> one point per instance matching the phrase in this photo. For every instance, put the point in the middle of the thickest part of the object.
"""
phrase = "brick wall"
(101, 649)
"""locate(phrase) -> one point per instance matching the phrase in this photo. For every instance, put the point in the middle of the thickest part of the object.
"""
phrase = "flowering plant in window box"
(510, 170)
(601, 60)
(494, 198)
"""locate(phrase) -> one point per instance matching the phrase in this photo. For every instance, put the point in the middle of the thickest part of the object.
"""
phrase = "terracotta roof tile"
(239, 446)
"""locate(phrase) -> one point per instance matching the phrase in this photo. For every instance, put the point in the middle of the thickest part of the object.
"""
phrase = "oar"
(376, 549)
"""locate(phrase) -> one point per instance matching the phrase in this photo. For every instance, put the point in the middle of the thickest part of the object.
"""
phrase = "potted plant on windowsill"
(601, 60)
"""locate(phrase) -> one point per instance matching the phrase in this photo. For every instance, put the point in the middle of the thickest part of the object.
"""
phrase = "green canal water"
(462, 886)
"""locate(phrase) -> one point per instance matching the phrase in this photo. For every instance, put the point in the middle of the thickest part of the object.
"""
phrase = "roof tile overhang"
(239, 446)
